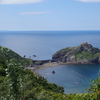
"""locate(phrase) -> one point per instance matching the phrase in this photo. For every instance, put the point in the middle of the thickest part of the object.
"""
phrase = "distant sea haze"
(43, 44)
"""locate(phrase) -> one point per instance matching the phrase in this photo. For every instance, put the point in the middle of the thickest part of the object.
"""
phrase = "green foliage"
(86, 55)
(3, 86)
(3, 79)
(95, 86)
(22, 84)
(66, 49)
(7, 54)
(15, 75)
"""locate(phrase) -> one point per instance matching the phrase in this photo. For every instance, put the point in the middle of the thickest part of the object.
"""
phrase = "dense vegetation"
(18, 83)
(6, 53)
(86, 55)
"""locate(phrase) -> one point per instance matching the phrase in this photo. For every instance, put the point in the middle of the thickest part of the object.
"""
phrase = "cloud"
(89, 0)
(19, 1)
(34, 13)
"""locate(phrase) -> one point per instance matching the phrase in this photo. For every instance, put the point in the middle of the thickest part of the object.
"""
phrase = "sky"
(49, 15)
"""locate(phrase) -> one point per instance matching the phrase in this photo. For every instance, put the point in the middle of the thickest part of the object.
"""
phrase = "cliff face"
(84, 53)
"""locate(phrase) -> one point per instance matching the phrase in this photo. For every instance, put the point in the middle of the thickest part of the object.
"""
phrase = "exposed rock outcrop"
(84, 54)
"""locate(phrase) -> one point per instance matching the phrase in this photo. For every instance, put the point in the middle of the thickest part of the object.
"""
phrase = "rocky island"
(82, 54)
(85, 53)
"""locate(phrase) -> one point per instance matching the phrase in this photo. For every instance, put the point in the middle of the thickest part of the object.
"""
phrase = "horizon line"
(49, 30)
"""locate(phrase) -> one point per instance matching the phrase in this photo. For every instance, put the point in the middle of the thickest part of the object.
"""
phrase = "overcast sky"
(32, 15)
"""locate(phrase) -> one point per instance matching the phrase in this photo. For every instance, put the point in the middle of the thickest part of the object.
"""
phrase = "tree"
(95, 86)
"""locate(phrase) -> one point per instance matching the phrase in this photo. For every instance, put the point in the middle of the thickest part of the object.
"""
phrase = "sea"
(43, 44)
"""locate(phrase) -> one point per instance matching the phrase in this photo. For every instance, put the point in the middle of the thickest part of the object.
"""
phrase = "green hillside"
(17, 83)
(8, 54)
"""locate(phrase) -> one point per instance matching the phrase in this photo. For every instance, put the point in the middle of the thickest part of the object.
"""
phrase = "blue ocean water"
(45, 43)
(74, 78)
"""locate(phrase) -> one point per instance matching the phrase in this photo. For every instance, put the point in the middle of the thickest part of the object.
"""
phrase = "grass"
(65, 49)
(86, 55)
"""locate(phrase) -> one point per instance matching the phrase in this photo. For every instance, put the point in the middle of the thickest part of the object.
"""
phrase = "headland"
(82, 54)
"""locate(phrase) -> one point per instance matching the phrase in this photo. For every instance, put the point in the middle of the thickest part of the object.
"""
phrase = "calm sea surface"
(74, 78)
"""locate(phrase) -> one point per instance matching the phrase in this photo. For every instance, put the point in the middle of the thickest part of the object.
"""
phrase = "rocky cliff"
(84, 54)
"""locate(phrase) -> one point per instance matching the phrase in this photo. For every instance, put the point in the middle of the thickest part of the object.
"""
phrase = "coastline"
(49, 64)
(45, 65)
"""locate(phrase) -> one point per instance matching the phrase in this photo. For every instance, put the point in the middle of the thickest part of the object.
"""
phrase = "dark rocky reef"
(83, 54)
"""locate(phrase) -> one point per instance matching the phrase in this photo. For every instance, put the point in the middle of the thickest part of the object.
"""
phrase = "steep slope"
(6, 53)
(84, 53)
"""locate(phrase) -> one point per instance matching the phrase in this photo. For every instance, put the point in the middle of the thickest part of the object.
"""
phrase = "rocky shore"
(45, 65)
